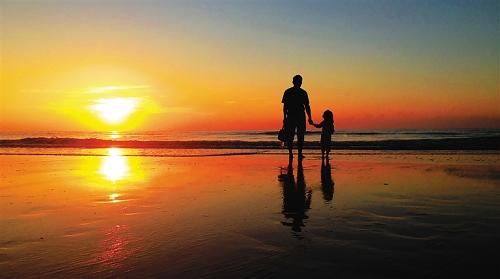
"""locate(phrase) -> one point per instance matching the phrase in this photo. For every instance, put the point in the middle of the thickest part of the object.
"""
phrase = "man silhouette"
(295, 101)
(296, 199)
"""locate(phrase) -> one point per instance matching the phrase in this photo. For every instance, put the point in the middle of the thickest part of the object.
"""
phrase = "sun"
(114, 110)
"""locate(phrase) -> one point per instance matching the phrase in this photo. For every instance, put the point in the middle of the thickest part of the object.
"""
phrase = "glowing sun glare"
(114, 110)
(114, 166)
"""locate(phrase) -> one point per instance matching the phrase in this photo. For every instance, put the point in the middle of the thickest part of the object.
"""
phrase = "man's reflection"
(296, 201)
(327, 183)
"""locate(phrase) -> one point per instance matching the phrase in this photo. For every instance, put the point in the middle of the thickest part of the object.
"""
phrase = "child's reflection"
(327, 183)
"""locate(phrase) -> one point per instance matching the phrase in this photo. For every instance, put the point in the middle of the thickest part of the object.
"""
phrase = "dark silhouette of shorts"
(296, 124)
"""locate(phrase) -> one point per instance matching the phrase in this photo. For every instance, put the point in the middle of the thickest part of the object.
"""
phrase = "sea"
(214, 143)
(258, 135)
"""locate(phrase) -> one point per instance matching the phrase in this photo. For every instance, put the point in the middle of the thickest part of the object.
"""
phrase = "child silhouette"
(326, 133)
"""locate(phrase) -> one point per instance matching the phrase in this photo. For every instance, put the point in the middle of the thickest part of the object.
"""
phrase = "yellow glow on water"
(112, 173)
(114, 167)
(114, 198)
(114, 110)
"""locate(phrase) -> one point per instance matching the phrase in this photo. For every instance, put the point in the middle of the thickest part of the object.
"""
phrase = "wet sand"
(382, 215)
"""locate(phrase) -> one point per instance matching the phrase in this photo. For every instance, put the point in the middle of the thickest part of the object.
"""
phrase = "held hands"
(310, 121)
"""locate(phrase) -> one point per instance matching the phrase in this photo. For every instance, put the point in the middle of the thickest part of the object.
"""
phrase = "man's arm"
(285, 109)
(308, 108)
(308, 111)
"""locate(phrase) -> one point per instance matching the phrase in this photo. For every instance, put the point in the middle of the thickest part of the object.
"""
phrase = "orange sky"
(90, 66)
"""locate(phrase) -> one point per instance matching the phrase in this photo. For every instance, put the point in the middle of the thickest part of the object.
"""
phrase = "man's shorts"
(294, 123)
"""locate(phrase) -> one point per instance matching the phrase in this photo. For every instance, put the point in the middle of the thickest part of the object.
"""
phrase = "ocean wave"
(478, 143)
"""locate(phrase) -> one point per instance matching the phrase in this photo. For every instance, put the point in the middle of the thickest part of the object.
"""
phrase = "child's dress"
(326, 134)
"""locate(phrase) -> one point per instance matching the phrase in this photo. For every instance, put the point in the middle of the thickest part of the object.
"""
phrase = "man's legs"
(301, 129)
(290, 128)
(290, 152)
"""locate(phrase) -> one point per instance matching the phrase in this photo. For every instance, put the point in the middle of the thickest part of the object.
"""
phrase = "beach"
(121, 213)
(249, 139)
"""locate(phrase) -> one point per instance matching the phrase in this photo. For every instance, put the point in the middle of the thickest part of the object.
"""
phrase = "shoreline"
(129, 152)
(480, 143)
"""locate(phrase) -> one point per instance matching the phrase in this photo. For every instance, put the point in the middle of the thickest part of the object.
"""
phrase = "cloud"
(109, 88)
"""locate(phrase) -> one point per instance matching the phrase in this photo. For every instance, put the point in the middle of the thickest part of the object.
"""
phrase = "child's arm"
(318, 125)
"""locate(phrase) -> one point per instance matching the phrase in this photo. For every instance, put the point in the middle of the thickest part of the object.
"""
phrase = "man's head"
(297, 80)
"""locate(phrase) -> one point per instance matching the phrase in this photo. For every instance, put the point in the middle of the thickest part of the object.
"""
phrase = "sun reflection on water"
(115, 175)
(114, 198)
(114, 167)
(115, 248)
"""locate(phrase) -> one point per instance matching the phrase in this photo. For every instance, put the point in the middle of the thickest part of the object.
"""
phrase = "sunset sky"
(223, 65)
